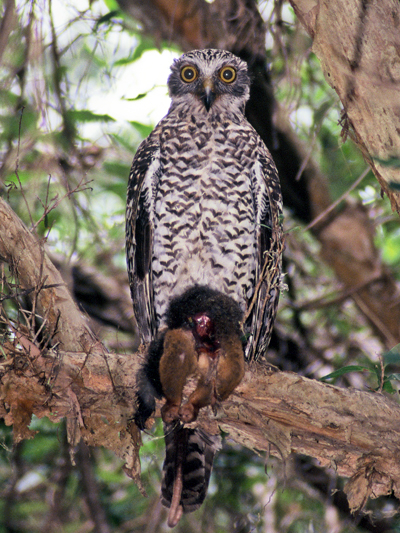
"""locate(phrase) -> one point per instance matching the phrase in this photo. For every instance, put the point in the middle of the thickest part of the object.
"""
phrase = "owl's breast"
(204, 227)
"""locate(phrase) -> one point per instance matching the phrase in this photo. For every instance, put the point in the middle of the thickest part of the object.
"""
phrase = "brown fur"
(218, 373)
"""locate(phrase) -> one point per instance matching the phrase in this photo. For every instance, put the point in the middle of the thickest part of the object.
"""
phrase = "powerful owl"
(204, 242)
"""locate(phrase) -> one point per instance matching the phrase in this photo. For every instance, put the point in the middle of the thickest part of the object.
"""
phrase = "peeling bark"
(358, 44)
(354, 432)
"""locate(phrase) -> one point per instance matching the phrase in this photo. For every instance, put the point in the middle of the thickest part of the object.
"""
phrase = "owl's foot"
(170, 413)
(188, 412)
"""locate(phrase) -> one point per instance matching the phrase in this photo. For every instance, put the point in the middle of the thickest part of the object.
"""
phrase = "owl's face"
(213, 78)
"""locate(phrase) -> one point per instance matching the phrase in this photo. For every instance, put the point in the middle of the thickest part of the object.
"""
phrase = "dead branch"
(24, 252)
(354, 432)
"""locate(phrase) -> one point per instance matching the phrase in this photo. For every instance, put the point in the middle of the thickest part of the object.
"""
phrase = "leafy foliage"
(70, 120)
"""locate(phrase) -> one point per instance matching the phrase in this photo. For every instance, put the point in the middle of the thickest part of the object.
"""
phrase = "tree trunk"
(358, 42)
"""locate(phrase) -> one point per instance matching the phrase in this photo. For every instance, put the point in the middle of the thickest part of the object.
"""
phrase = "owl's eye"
(227, 74)
(188, 74)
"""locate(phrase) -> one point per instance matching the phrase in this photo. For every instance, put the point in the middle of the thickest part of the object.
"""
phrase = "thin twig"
(337, 202)
(47, 209)
(327, 300)
(21, 111)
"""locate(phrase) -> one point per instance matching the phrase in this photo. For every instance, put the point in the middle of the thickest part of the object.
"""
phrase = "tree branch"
(354, 432)
(24, 252)
(83, 387)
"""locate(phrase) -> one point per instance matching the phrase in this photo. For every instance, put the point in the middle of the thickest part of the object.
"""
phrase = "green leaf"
(143, 129)
(85, 115)
(8, 98)
(112, 5)
(138, 97)
(24, 177)
(388, 387)
(393, 377)
(345, 370)
(392, 357)
(391, 248)
(144, 45)
(10, 124)
(108, 17)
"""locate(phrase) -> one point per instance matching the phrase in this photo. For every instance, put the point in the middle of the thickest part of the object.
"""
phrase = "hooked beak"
(208, 96)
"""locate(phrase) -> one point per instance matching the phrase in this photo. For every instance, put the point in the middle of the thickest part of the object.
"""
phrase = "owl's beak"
(208, 95)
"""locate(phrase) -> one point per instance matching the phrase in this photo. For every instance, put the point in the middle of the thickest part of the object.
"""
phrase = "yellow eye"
(188, 74)
(227, 74)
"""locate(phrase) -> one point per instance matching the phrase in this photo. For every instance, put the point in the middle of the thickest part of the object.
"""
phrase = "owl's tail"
(187, 469)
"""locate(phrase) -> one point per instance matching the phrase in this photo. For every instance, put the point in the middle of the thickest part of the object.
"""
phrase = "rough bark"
(25, 254)
(355, 432)
(358, 45)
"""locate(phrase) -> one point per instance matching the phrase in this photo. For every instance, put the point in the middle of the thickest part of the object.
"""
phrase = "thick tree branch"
(354, 432)
(25, 254)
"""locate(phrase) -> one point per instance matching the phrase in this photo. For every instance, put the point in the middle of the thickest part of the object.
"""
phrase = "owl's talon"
(188, 413)
(170, 413)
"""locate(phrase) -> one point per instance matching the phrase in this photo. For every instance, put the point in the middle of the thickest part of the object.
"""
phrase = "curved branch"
(355, 432)
(24, 252)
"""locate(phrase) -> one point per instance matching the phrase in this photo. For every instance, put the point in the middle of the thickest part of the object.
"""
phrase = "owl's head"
(214, 78)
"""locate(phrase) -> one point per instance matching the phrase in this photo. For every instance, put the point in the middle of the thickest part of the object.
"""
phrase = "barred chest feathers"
(204, 227)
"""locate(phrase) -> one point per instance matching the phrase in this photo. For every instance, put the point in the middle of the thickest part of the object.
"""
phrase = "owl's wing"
(268, 204)
(139, 232)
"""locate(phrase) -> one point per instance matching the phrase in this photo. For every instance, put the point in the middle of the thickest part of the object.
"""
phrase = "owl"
(203, 242)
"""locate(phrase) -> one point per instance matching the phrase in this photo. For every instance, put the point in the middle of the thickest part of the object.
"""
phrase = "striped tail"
(189, 455)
